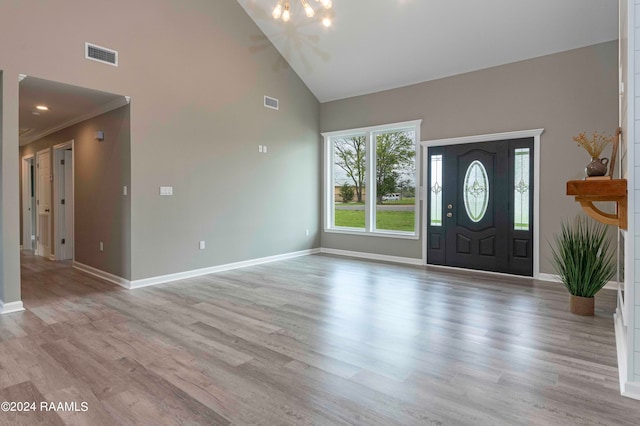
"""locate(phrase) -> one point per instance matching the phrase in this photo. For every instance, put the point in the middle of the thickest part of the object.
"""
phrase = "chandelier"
(283, 10)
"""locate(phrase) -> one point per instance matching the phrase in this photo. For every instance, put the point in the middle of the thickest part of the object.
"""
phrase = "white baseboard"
(11, 307)
(102, 274)
(372, 256)
(621, 350)
(548, 277)
(611, 285)
(146, 282)
(631, 390)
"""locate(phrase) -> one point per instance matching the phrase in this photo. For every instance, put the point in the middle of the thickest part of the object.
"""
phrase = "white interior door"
(34, 208)
(28, 226)
(43, 202)
(68, 205)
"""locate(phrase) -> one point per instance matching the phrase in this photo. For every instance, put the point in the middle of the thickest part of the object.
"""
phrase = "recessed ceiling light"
(42, 107)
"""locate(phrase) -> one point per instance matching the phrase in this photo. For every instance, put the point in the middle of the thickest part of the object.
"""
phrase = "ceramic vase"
(597, 167)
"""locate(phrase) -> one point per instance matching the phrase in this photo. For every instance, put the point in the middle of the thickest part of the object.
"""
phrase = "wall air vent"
(270, 102)
(100, 54)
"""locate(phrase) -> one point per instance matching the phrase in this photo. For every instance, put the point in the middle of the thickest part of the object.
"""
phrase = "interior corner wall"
(632, 291)
(102, 213)
(625, 308)
(9, 233)
(564, 93)
(197, 72)
(2, 142)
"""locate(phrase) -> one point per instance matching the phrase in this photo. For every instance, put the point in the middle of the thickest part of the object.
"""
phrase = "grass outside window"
(403, 221)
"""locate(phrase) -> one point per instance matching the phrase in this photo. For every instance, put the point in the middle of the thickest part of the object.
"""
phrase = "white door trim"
(26, 201)
(58, 154)
(38, 189)
(533, 133)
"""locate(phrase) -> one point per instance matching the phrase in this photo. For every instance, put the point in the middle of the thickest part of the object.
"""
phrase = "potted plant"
(584, 259)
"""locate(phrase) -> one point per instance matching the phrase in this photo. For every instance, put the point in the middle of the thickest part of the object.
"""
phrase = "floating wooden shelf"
(589, 191)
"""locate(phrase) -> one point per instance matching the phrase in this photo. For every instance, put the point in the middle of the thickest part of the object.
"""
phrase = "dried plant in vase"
(595, 146)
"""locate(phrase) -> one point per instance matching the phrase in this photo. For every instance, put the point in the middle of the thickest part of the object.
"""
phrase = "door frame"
(27, 161)
(38, 189)
(533, 133)
(58, 171)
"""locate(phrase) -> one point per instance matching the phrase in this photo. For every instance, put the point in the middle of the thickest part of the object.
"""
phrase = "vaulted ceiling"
(376, 45)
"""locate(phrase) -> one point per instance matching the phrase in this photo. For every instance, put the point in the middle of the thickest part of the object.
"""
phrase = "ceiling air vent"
(101, 54)
(271, 102)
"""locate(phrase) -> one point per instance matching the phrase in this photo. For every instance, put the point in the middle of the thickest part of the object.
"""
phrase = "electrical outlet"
(101, 246)
(264, 149)
(259, 148)
(202, 245)
(124, 190)
(306, 232)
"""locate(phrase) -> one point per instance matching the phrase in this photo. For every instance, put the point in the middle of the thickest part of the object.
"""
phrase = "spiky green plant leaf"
(583, 256)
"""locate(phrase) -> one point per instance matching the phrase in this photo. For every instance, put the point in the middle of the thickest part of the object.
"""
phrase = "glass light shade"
(277, 11)
(309, 10)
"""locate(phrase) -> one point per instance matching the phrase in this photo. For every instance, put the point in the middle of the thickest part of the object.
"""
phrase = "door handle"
(46, 210)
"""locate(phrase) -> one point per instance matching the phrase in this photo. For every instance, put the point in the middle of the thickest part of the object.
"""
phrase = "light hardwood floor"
(313, 340)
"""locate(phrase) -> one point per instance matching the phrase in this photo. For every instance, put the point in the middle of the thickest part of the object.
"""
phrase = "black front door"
(481, 206)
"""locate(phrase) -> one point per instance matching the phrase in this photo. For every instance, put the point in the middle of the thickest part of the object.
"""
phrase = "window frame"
(370, 180)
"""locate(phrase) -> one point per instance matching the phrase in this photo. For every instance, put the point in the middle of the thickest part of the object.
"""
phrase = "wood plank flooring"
(316, 340)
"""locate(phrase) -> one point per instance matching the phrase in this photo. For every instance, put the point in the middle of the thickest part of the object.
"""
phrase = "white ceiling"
(376, 45)
(67, 104)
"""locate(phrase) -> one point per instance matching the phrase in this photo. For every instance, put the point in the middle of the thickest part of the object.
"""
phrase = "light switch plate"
(166, 190)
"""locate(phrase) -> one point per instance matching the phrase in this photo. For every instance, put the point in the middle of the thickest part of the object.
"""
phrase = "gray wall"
(565, 93)
(6, 273)
(101, 211)
(197, 71)
(9, 243)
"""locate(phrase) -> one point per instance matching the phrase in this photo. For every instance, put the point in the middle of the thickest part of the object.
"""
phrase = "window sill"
(383, 234)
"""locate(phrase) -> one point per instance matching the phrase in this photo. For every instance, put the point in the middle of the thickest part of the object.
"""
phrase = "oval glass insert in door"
(476, 191)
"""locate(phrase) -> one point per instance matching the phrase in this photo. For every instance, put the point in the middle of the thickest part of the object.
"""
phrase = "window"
(435, 191)
(476, 191)
(349, 170)
(371, 180)
(521, 188)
